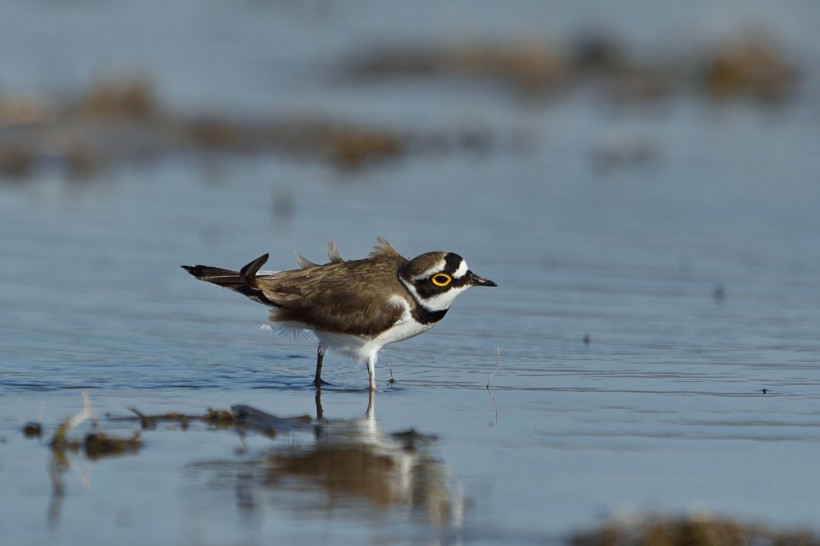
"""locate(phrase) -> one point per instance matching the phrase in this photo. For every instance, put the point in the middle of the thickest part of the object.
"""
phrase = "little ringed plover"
(354, 307)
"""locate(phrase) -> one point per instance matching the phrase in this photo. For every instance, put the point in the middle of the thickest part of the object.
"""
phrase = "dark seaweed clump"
(690, 531)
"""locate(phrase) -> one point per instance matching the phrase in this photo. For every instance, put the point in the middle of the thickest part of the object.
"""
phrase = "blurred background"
(642, 179)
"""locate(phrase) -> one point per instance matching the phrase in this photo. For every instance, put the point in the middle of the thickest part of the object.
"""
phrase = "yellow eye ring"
(441, 279)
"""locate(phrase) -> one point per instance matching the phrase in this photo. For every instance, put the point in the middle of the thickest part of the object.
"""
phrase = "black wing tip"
(196, 270)
(251, 268)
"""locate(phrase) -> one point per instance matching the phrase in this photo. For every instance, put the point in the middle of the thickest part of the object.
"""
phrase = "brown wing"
(347, 297)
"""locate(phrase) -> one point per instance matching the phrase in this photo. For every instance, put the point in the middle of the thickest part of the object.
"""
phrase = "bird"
(354, 307)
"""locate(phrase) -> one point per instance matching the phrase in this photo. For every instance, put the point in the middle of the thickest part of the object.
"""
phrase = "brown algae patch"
(530, 67)
(751, 66)
(94, 444)
(99, 444)
(123, 121)
(690, 531)
(748, 68)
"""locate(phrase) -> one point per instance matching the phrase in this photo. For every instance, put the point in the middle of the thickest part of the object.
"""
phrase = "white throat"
(439, 302)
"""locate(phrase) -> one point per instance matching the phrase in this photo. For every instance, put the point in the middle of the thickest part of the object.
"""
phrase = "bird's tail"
(243, 281)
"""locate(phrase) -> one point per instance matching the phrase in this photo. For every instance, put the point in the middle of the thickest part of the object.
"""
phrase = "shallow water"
(640, 314)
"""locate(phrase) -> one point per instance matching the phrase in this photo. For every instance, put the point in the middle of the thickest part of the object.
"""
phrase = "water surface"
(640, 314)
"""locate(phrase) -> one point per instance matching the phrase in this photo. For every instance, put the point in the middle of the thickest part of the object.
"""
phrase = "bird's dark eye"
(441, 279)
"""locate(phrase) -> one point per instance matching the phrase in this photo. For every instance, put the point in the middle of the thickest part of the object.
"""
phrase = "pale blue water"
(661, 411)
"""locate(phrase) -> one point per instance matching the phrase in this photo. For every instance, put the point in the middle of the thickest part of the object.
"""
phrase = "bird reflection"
(334, 464)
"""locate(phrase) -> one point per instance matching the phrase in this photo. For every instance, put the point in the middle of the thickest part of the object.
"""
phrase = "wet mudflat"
(647, 205)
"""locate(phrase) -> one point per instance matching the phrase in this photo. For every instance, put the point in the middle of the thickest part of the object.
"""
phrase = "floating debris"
(392, 380)
(98, 444)
(497, 363)
(214, 417)
(32, 430)
(220, 418)
(95, 444)
(60, 441)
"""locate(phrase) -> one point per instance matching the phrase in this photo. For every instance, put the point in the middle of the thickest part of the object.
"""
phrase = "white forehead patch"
(462, 270)
(435, 269)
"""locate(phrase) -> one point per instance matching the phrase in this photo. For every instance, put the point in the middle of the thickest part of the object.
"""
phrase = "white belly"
(365, 347)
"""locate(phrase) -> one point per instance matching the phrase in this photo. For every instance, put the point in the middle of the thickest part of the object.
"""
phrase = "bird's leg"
(371, 405)
(320, 357)
(371, 372)
(320, 412)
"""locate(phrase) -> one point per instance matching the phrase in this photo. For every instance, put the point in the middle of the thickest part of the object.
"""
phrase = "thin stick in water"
(497, 360)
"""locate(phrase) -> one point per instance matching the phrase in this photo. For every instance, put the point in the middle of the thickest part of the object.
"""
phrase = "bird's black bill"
(475, 280)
